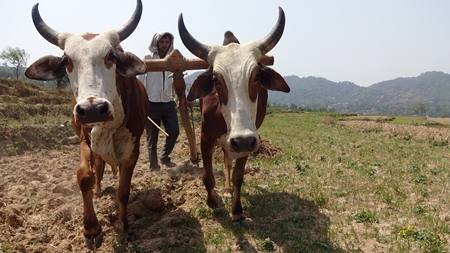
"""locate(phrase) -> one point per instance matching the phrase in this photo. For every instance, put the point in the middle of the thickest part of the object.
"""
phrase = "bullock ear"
(229, 38)
(47, 68)
(271, 80)
(128, 64)
(202, 86)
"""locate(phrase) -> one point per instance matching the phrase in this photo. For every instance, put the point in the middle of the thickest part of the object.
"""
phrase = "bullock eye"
(256, 79)
(63, 61)
(216, 81)
(112, 57)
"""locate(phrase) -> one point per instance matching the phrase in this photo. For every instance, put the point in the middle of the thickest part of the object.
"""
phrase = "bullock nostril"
(80, 112)
(234, 144)
(243, 144)
(253, 143)
(93, 112)
(104, 108)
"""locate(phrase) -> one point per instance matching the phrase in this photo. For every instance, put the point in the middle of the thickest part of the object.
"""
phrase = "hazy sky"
(361, 41)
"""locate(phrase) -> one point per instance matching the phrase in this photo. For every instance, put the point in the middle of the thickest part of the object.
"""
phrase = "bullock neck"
(125, 101)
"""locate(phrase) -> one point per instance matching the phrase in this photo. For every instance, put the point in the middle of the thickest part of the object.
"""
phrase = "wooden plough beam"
(177, 64)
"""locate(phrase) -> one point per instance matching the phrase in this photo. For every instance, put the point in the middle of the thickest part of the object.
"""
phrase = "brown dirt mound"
(268, 150)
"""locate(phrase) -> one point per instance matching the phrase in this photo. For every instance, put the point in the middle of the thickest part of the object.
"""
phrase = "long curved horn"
(194, 46)
(127, 29)
(271, 39)
(48, 33)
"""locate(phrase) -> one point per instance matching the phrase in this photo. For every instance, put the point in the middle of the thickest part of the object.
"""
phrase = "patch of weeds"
(302, 169)
(219, 212)
(424, 193)
(320, 199)
(339, 194)
(133, 248)
(429, 241)
(385, 195)
(419, 210)
(366, 217)
(268, 245)
(12, 150)
(278, 161)
(415, 168)
(421, 179)
(352, 165)
(218, 239)
(370, 173)
(123, 244)
(204, 213)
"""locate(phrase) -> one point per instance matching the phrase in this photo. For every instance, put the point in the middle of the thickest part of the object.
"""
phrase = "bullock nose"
(92, 112)
(244, 144)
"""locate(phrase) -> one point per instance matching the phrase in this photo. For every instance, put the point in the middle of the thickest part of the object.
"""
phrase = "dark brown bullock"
(233, 100)
(109, 108)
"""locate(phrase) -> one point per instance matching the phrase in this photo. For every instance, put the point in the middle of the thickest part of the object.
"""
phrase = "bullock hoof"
(196, 160)
(242, 222)
(97, 194)
(212, 203)
(94, 243)
(212, 200)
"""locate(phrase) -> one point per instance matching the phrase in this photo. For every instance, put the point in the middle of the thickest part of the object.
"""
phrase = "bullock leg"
(123, 192)
(208, 175)
(228, 164)
(99, 166)
(86, 179)
(238, 179)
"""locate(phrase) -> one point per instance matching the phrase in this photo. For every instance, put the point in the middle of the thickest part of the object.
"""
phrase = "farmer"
(162, 104)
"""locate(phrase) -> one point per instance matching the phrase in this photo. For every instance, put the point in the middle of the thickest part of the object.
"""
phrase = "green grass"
(409, 120)
(343, 176)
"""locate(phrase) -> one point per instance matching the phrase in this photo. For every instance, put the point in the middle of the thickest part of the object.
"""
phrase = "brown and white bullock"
(109, 108)
(233, 99)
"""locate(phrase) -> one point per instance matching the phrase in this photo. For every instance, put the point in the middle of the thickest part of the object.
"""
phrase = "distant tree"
(62, 82)
(6, 72)
(419, 109)
(15, 57)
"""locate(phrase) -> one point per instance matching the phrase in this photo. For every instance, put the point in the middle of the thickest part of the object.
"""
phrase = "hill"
(30, 116)
(392, 97)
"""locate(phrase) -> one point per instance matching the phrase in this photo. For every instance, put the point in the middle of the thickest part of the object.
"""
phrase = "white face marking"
(91, 80)
(235, 63)
(94, 83)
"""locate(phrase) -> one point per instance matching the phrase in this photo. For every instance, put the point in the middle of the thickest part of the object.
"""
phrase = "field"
(320, 183)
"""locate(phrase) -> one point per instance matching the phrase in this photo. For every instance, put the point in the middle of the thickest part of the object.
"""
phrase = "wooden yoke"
(177, 63)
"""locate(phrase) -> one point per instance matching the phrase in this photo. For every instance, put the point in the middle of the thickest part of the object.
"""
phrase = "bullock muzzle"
(242, 144)
(93, 111)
